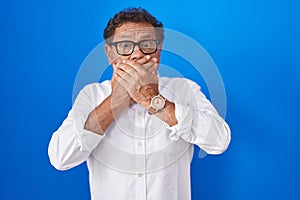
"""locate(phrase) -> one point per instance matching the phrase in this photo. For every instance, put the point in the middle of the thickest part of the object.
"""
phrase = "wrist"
(145, 94)
(157, 103)
(119, 102)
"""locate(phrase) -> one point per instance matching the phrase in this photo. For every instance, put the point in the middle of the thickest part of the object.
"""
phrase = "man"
(137, 131)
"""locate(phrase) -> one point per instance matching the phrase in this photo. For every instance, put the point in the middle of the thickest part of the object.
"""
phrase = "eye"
(147, 44)
(126, 44)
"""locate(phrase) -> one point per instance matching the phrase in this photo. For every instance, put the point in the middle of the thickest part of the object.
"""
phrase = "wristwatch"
(157, 103)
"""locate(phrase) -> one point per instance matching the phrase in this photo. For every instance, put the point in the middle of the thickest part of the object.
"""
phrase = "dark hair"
(138, 15)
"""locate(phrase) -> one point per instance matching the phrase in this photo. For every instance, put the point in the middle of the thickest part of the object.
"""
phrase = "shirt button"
(140, 174)
(139, 113)
(140, 144)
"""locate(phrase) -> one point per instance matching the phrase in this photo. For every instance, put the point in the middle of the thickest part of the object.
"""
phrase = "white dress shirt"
(140, 157)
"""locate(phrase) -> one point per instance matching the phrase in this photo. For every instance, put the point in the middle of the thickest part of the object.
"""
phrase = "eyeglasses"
(126, 48)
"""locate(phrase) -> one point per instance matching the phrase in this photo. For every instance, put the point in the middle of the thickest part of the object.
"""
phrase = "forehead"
(132, 30)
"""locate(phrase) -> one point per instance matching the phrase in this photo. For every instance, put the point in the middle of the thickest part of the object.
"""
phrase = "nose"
(137, 54)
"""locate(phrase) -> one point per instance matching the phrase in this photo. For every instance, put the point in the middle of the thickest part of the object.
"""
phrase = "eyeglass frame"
(134, 44)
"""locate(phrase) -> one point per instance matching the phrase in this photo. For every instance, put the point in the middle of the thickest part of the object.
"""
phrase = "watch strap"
(152, 110)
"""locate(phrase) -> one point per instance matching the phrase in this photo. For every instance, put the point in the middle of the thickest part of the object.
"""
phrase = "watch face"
(158, 102)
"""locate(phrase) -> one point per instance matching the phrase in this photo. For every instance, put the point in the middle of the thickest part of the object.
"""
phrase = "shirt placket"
(140, 149)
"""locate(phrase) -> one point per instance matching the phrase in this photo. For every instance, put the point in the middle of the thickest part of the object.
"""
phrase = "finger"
(128, 85)
(113, 78)
(148, 65)
(122, 82)
(155, 74)
(143, 60)
(126, 68)
(133, 64)
(131, 75)
(153, 71)
(123, 75)
(153, 68)
(138, 67)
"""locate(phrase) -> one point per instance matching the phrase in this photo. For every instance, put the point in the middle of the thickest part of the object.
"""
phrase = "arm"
(198, 121)
(104, 114)
(167, 114)
(87, 122)
(71, 143)
(191, 116)
(141, 83)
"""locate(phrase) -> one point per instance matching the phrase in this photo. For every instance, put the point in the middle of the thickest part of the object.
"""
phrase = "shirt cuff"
(184, 116)
(88, 139)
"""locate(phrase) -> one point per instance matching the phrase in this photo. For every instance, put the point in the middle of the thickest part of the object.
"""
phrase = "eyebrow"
(145, 36)
(125, 36)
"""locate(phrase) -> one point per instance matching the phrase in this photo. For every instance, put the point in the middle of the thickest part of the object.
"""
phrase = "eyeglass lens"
(127, 47)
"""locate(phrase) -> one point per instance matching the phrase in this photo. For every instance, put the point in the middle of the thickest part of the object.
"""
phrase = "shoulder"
(103, 87)
(180, 90)
(178, 83)
(95, 91)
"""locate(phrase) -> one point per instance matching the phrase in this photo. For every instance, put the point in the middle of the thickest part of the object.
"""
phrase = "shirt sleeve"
(71, 144)
(198, 121)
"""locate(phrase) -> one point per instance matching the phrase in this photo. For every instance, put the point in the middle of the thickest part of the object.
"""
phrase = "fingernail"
(147, 57)
(117, 64)
(124, 61)
(155, 59)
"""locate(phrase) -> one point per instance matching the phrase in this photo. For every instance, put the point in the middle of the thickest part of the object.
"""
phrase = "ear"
(159, 47)
(108, 52)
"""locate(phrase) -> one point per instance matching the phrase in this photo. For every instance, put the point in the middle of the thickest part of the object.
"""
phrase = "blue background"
(254, 43)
